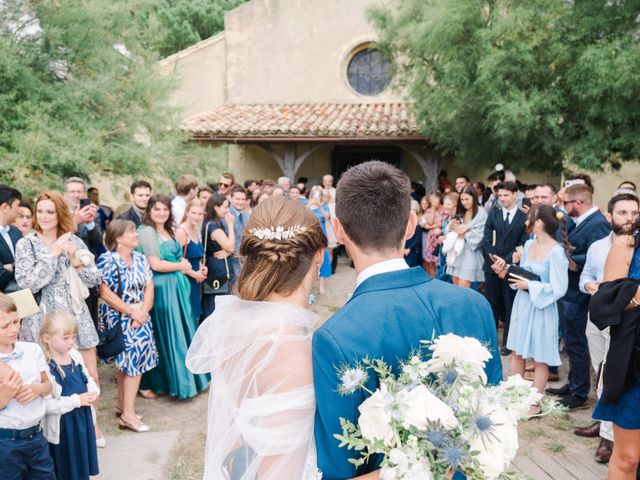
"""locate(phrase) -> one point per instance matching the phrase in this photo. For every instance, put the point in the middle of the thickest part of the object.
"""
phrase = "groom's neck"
(362, 260)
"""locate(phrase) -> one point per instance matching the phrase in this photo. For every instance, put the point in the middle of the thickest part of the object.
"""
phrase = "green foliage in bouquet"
(437, 416)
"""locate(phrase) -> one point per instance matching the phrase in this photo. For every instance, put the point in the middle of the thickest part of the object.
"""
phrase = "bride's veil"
(261, 401)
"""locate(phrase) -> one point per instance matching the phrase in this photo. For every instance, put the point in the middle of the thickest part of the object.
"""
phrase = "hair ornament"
(559, 216)
(277, 233)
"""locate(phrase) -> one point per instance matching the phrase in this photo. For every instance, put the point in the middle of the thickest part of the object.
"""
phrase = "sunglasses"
(568, 202)
(225, 185)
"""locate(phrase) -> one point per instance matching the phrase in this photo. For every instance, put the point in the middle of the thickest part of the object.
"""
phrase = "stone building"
(297, 88)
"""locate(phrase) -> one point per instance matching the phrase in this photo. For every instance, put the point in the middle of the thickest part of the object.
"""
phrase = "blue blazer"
(591, 229)
(386, 317)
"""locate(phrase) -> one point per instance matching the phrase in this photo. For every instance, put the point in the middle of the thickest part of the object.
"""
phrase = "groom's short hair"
(373, 203)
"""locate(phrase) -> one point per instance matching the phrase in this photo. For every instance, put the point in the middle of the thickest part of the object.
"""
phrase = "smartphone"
(575, 181)
(526, 202)
(84, 202)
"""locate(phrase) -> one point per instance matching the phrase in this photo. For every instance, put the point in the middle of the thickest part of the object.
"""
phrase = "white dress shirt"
(381, 267)
(593, 270)
(178, 206)
(511, 213)
(584, 216)
(30, 365)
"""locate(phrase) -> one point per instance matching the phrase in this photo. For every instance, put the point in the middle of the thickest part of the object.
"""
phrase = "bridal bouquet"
(438, 416)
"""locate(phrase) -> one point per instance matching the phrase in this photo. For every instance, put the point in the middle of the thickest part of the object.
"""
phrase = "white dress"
(261, 399)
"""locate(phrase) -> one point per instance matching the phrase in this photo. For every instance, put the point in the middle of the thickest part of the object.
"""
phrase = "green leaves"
(80, 95)
(518, 82)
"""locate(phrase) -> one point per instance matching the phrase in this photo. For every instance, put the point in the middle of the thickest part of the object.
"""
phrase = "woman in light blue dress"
(469, 224)
(534, 318)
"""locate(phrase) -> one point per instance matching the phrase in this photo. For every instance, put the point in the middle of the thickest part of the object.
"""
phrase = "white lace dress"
(261, 399)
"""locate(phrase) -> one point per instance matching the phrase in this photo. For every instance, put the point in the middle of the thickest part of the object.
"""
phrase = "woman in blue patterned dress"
(173, 322)
(622, 409)
(127, 297)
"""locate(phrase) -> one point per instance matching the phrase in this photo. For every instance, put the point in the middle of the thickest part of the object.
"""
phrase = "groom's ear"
(411, 225)
(338, 230)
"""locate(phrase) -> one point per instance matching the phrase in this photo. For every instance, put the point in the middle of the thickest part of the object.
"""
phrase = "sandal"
(148, 394)
(138, 428)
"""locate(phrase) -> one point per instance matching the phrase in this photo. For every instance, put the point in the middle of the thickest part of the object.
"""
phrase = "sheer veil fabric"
(261, 398)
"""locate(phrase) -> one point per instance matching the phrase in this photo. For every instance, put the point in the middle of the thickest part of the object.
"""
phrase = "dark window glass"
(369, 72)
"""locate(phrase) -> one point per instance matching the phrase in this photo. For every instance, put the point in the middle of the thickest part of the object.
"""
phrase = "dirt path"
(175, 448)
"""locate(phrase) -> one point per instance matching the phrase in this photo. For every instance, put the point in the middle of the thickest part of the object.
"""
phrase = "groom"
(392, 309)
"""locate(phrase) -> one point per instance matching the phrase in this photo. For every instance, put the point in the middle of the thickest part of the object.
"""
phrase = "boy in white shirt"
(24, 451)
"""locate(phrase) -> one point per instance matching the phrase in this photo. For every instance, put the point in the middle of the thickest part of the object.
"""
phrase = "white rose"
(518, 395)
(399, 459)
(374, 421)
(452, 349)
(389, 473)
(419, 471)
(498, 449)
(423, 406)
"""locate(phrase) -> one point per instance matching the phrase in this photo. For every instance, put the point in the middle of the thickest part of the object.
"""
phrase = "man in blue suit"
(590, 226)
(9, 236)
(392, 309)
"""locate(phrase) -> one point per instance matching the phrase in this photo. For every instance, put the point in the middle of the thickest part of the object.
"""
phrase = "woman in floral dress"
(127, 297)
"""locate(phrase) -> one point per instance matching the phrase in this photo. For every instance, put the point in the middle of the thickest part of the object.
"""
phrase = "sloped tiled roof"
(306, 121)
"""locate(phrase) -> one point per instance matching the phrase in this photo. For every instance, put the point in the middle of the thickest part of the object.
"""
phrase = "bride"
(257, 346)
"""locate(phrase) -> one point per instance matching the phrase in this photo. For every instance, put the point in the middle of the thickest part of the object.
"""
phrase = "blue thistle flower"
(450, 376)
(483, 423)
(437, 438)
(454, 456)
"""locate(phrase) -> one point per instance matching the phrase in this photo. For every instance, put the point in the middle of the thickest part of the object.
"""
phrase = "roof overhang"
(306, 123)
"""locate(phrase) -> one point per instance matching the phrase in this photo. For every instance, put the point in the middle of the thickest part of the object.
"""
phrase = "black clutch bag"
(521, 274)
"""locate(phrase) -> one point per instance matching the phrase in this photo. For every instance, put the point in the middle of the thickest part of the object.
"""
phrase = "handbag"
(112, 339)
(521, 274)
(217, 281)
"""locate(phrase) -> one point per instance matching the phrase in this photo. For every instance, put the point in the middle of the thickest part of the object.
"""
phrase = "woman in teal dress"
(174, 323)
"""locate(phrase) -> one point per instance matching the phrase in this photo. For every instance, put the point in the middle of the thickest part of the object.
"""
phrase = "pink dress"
(430, 243)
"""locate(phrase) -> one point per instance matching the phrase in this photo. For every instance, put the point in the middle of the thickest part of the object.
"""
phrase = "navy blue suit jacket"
(508, 236)
(591, 229)
(386, 317)
(7, 257)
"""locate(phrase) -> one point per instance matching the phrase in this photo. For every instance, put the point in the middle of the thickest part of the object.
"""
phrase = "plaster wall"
(200, 76)
(295, 51)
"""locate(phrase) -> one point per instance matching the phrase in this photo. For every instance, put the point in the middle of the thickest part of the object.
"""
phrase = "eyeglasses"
(225, 185)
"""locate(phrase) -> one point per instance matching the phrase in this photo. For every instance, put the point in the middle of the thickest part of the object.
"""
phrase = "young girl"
(69, 422)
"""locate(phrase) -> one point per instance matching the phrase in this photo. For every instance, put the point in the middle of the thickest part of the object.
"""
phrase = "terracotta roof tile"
(304, 120)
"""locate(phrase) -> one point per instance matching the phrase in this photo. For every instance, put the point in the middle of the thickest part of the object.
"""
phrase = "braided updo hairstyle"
(278, 265)
(551, 220)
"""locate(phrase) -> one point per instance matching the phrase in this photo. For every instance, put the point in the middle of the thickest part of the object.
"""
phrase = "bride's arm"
(287, 374)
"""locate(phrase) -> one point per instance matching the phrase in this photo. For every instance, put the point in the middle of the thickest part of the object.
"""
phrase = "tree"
(79, 95)
(178, 24)
(529, 84)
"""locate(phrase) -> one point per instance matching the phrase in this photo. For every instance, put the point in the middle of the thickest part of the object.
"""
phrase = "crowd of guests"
(128, 284)
(131, 284)
(538, 255)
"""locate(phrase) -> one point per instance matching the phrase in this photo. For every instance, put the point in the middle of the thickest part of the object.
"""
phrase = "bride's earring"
(318, 265)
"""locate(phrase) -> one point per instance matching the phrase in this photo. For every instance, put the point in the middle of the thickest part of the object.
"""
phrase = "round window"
(369, 72)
